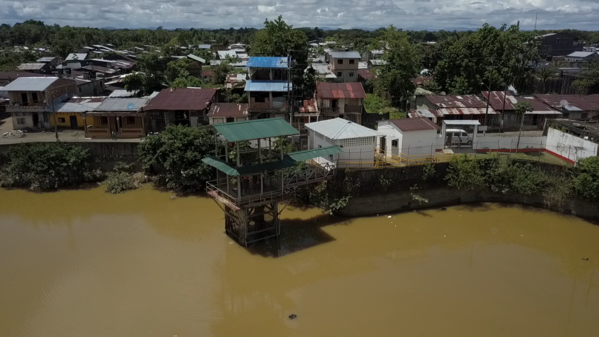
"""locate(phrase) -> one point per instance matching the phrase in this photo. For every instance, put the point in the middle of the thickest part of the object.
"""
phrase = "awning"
(251, 169)
(548, 112)
(255, 129)
(315, 153)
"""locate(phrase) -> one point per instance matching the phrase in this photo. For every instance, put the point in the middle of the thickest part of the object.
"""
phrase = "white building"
(409, 136)
(358, 142)
(572, 140)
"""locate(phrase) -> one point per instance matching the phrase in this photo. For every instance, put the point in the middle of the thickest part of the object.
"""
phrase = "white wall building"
(570, 146)
(410, 136)
(358, 142)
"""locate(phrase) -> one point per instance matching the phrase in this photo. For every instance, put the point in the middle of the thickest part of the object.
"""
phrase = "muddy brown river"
(141, 264)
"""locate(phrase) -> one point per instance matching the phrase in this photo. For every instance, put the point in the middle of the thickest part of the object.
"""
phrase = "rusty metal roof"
(31, 66)
(309, 106)
(415, 113)
(340, 90)
(461, 101)
(570, 102)
(366, 74)
(228, 110)
(466, 111)
(414, 124)
(511, 101)
(181, 99)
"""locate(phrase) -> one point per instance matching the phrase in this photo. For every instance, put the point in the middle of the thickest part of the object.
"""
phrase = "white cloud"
(406, 14)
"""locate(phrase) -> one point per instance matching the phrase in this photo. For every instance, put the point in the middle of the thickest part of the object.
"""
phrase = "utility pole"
(52, 99)
(488, 101)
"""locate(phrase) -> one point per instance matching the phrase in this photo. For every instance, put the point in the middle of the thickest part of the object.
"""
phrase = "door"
(73, 120)
(36, 119)
(24, 99)
(383, 144)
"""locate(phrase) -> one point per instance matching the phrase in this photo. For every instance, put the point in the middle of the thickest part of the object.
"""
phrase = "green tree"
(586, 183)
(588, 77)
(521, 108)
(395, 77)
(375, 104)
(545, 74)
(180, 150)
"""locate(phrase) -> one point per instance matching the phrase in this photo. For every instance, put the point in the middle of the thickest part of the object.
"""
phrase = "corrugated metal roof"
(46, 59)
(415, 113)
(339, 128)
(30, 84)
(463, 101)
(466, 111)
(76, 56)
(78, 104)
(123, 93)
(255, 129)
(345, 55)
(228, 110)
(378, 62)
(129, 104)
(181, 99)
(196, 58)
(582, 54)
(323, 69)
(315, 153)
(568, 101)
(252, 169)
(31, 66)
(268, 86)
(365, 74)
(497, 98)
(414, 124)
(268, 62)
(340, 90)
(204, 46)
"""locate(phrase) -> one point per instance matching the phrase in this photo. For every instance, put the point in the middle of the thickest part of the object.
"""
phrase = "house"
(344, 64)
(358, 142)
(41, 68)
(9, 76)
(228, 113)
(505, 105)
(116, 117)
(195, 66)
(559, 44)
(30, 96)
(50, 60)
(269, 86)
(459, 107)
(409, 136)
(376, 54)
(69, 111)
(572, 106)
(376, 63)
(181, 106)
(578, 58)
(340, 100)
(323, 72)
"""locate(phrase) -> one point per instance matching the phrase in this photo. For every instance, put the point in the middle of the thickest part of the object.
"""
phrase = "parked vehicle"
(458, 136)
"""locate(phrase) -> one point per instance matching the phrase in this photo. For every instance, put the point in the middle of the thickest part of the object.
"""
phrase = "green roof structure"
(289, 160)
(255, 129)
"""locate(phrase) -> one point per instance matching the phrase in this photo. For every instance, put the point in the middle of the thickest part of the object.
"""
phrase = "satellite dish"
(130, 106)
(563, 103)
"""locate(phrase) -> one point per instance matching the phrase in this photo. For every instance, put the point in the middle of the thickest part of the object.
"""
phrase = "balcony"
(268, 106)
(329, 112)
(349, 109)
(26, 107)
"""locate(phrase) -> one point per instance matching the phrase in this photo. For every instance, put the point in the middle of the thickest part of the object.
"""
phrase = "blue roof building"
(269, 86)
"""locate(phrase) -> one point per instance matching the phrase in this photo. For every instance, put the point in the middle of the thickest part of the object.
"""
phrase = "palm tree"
(545, 74)
(521, 109)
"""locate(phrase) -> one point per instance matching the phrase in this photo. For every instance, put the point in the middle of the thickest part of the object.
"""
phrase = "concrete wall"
(570, 147)
(352, 156)
(508, 143)
(25, 117)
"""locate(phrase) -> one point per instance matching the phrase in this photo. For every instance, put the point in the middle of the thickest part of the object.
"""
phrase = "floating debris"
(292, 316)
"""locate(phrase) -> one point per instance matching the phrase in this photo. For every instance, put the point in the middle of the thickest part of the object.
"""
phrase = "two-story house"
(31, 96)
(558, 44)
(269, 87)
(344, 64)
(340, 100)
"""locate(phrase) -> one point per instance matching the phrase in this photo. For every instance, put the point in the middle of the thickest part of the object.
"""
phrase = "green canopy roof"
(255, 129)
(289, 160)
(315, 153)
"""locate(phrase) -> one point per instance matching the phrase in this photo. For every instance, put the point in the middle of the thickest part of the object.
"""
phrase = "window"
(394, 143)
(61, 120)
(21, 121)
(558, 40)
(352, 61)
(34, 97)
(339, 61)
(339, 74)
(351, 74)
(103, 120)
(218, 120)
(131, 120)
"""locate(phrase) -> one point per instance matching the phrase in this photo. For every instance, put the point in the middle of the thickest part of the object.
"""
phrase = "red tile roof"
(228, 110)
(181, 99)
(340, 90)
(462, 101)
(414, 124)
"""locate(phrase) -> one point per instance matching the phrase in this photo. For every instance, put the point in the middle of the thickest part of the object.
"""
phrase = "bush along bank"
(463, 180)
(123, 178)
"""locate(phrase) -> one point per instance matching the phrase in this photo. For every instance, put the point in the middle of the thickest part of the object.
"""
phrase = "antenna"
(536, 18)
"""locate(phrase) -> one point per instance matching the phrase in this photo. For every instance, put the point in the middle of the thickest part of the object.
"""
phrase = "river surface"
(87, 263)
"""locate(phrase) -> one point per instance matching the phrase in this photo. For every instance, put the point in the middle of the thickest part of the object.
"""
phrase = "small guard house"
(252, 180)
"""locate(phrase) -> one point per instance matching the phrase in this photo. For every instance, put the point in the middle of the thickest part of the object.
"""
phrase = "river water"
(87, 263)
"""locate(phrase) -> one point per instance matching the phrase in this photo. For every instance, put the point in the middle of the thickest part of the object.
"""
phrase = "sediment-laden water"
(87, 263)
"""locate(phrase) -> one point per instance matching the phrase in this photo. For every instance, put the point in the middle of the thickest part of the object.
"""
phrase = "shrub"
(45, 166)
(464, 173)
(586, 183)
(118, 182)
(179, 151)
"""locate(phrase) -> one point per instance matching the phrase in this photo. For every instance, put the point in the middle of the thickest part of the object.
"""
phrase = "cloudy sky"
(407, 14)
